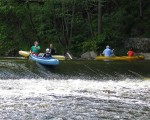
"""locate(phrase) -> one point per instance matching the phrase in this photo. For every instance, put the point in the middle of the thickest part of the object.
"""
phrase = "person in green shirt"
(35, 49)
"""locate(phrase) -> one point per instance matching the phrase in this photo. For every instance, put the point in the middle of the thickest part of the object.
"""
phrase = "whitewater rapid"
(60, 99)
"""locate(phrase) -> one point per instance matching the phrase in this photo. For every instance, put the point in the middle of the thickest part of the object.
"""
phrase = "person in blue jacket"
(108, 52)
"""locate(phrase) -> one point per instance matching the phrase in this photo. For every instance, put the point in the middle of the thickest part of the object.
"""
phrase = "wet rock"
(147, 55)
(139, 44)
(89, 55)
(85, 55)
(93, 54)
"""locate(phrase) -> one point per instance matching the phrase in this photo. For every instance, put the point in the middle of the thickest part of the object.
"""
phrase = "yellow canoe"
(27, 53)
(121, 58)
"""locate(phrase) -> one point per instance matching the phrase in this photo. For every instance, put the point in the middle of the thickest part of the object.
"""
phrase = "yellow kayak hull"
(27, 53)
(24, 53)
(120, 58)
(59, 57)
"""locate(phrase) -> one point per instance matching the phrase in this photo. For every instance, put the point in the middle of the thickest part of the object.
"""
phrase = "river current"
(29, 91)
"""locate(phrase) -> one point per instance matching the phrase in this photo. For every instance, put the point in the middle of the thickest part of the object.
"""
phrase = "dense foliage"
(74, 25)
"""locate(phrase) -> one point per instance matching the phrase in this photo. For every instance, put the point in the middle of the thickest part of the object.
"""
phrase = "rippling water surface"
(76, 98)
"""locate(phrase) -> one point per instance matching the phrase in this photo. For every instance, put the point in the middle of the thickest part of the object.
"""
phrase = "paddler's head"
(107, 46)
(51, 45)
(47, 50)
(36, 43)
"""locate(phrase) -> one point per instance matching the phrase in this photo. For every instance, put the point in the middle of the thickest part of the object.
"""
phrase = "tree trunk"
(141, 10)
(66, 30)
(89, 19)
(55, 25)
(32, 23)
(72, 20)
(63, 22)
(99, 17)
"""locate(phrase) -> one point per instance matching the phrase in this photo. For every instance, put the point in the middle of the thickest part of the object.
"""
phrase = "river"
(74, 90)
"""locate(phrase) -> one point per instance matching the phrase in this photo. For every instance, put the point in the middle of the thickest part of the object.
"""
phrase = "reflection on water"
(74, 99)
(75, 90)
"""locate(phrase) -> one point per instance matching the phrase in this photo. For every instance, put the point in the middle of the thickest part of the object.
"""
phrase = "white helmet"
(47, 50)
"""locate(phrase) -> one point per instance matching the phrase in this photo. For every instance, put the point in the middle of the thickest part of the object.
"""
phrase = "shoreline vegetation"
(75, 26)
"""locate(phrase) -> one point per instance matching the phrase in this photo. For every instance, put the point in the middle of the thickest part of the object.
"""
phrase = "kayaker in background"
(52, 50)
(35, 49)
(47, 54)
(130, 53)
(108, 52)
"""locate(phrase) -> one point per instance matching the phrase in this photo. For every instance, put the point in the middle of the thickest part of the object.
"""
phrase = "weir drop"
(74, 90)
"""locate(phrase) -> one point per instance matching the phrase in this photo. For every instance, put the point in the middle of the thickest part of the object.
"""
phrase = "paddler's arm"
(30, 50)
(112, 52)
(38, 47)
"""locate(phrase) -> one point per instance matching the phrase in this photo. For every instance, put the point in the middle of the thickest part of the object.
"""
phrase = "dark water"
(74, 90)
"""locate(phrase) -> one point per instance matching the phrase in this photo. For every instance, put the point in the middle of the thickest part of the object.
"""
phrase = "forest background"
(72, 25)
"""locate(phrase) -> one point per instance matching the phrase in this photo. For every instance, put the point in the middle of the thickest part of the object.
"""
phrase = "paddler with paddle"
(108, 52)
(35, 49)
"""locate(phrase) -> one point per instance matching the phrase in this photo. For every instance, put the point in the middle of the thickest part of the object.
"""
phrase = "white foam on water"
(119, 90)
(40, 98)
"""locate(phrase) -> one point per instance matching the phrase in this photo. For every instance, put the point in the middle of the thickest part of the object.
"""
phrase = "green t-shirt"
(35, 49)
